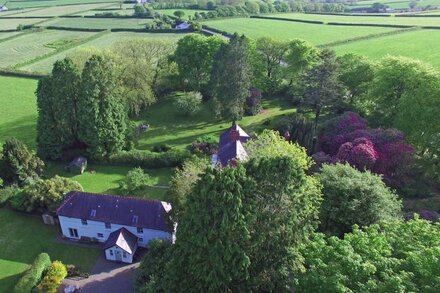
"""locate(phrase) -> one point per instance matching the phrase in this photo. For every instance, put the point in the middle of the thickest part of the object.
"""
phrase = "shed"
(183, 26)
(78, 165)
(3, 8)
(121, 245)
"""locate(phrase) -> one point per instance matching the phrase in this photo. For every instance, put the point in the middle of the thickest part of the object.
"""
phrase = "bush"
(147, 159)
(162, 148)
(205, 144)
(53, 278)
(300, 129)
(33, 275)
(7, 193)
(135, 180)
(188, 103)
(253, 102)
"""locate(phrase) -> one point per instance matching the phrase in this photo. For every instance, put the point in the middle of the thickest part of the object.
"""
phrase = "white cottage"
(122, 223)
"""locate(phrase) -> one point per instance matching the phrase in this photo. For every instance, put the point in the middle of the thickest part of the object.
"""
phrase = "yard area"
(284, 30)
(23, 237)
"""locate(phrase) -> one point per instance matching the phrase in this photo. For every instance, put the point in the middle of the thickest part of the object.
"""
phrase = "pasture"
(284, 30)
(127, 11)
(188, 12)
(61, 10)
(24, 236)
(99, 23)
(45, 3)
(104, 41)
(391, 20)
(419, 44)
(4, 35)
(13, 23)
(28, 46)
(394, 4)
(18, 113)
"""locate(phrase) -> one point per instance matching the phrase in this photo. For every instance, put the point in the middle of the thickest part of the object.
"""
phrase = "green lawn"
(105, 179)
(18, 111)
(62, 10)
(420, 44)
(12, 23)
(23, 237)
(413, 21)
(105, 41)
(284, 30)
(29, 46)
(167, 126)
(99, 23)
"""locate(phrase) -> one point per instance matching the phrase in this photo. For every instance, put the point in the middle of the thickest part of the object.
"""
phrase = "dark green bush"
(147, 159)
(32, 276)
(161, 148)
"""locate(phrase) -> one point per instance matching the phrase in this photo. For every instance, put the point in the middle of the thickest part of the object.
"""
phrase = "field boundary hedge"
(26, 17)
(287, 19)
(417, 15)
(75, 29)
(144, 30)
(65, 48)
(215, 31)
(20, 73)
(368, 37)
(370, 24)
(348, 14)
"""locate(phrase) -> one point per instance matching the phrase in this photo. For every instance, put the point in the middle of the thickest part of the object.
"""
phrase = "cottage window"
(141, 239)
(84, 222)
(124, 255)
(111, 252)
(100, 235)
(73, 232)
(108, 225)
(140, 230)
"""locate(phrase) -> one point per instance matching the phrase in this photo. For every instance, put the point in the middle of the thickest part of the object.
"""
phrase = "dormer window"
(93, 213)
(84, 222)
(134, 220)
(140, 230)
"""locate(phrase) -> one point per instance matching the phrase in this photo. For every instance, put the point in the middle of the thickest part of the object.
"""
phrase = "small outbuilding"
(121, 245)
(78, 165)
(3, 8)
(183, 26)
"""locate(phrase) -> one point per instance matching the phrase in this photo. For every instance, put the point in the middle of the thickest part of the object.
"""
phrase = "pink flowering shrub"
(347, 138)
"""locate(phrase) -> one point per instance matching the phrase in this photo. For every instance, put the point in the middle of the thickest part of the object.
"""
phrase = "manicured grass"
(285, 30)
(31, 45)
(420, 44)
(167, 126)
(99, 23)
(413, 21)
(105, 179)
(13, 23)
(62, 10)
(18, 111)
(23, 237)
(41, 3)
(104, 41)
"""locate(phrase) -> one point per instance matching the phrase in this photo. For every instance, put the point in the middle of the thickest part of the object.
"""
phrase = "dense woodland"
(319, 202)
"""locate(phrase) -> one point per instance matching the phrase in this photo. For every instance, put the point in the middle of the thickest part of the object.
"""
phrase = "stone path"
(106, 277)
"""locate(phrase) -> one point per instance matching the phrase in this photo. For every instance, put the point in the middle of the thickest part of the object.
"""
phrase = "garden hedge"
(33, 275)
(148, 159)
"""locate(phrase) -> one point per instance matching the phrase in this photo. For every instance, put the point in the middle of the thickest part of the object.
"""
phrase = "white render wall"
(94, 227)
(127, 259)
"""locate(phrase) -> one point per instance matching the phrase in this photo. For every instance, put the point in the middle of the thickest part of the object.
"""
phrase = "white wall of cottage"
(112, 252)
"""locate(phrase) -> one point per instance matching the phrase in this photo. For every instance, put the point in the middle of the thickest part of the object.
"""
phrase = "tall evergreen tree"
(321, 85)
(209, 254)
(101, 110)
(231, 77)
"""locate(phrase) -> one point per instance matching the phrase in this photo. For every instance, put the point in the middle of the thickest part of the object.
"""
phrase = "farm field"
(188, 12)
(23, 237)
(29, 46)
(12, 23)
(420, 44)
(4, 35)
(41, 3)
(413, 21)
(18, 113)
(395, 4)
(61, 10)
(104, 41)
(284, 30)
(99, 23)
(127, 11)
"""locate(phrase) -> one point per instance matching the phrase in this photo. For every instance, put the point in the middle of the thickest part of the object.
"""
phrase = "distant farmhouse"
(3, 8)
(231, 147)
(122, 223)
(183, 26)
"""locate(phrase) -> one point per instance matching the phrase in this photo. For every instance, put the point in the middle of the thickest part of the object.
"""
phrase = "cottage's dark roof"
(232, 150)
(123, 239)
(225, 137)
(114, 209)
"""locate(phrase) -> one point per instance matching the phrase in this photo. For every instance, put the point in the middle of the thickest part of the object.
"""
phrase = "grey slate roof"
(123, 239)
(232, 150)
(225, 137)
(129, 211)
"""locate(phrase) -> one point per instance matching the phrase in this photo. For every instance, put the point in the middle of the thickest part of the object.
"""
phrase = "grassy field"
(127, 11)
(420, 44)
(7, 35)
(23, 237)
(99, 23)
(188, 12)
(62, 10)
(413, 21)
(395, 4)
(167, 126)
(18, 113)
(32, 45)
(105, 179)
(104, 41)
(284, 30)
(9, 24)
(41, 3)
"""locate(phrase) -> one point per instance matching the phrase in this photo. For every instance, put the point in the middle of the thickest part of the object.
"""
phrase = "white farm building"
(122, 224)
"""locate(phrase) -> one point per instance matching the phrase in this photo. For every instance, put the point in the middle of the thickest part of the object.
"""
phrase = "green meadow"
(284, 30)
(98, 23)
(61, 10)
(14, 4)
(13, 23)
